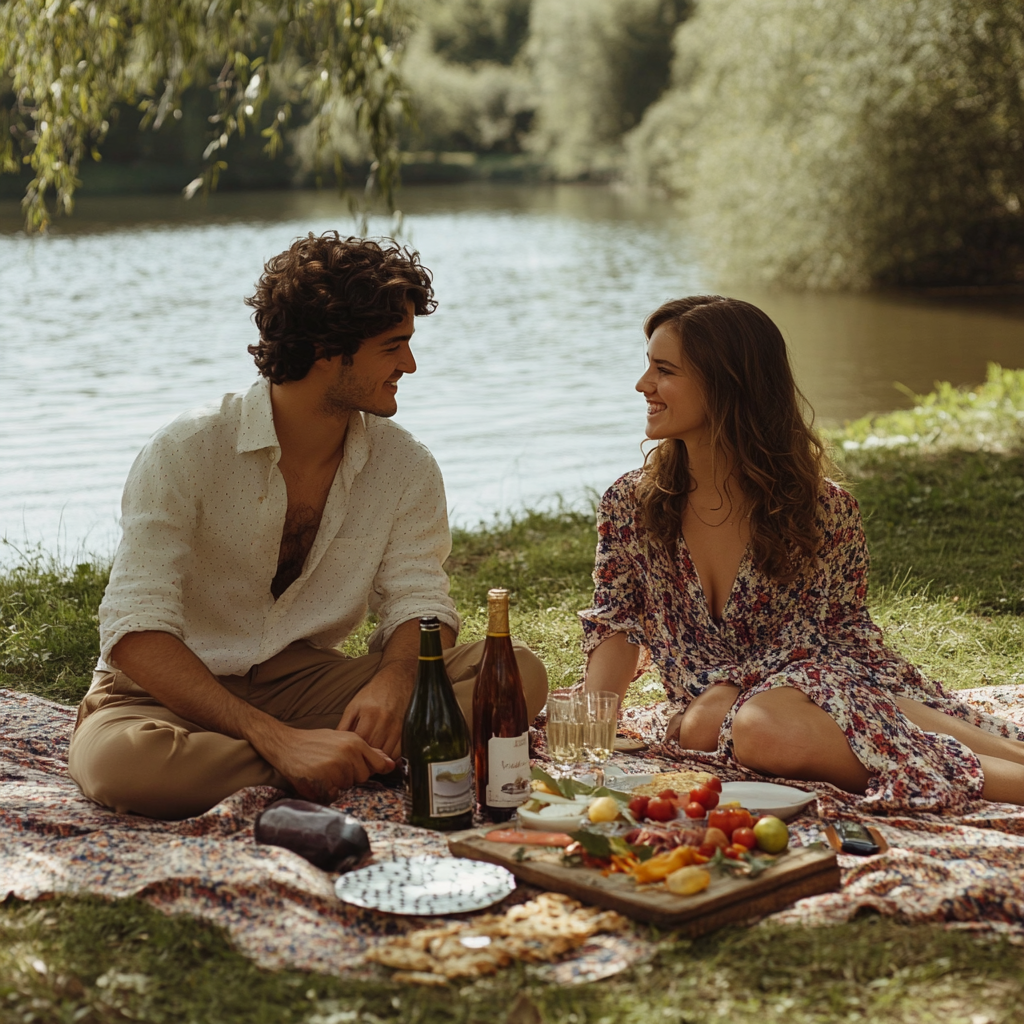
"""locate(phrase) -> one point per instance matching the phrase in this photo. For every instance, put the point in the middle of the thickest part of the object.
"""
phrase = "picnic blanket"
(965, 871)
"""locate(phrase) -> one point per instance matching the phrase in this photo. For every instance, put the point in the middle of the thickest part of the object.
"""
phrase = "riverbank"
(941, 487)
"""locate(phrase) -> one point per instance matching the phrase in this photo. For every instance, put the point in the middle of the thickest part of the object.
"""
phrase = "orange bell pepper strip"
(661, 865)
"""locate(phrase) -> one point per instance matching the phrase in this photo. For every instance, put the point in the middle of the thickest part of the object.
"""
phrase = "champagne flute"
(565, 730)
(600, 717)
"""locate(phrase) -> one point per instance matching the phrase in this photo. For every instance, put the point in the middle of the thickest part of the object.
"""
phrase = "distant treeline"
(822, 143)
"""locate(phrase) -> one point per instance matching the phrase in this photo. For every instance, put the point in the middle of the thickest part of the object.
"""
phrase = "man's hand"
(320, 763)
(377, 711)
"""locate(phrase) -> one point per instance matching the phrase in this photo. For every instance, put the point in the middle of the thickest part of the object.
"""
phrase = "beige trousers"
(132, 754)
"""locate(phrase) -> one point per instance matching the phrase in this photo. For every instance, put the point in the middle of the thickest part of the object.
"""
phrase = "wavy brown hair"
(756, 419)
(326, 295)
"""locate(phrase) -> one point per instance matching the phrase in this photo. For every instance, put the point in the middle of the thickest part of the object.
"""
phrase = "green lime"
(771, 834)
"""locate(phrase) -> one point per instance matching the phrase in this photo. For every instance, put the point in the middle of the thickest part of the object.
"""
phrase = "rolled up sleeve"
(158, 518)
(411, 581)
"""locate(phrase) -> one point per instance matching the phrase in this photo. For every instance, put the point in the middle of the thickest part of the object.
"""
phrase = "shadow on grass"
(86, 959)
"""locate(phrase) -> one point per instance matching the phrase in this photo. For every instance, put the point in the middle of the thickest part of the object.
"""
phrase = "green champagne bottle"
(435, 742)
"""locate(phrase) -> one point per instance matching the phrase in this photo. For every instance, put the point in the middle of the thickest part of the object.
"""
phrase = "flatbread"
(682, 782)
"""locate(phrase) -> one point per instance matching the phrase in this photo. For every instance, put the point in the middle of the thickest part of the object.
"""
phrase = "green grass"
(88, 960)
(943, 513)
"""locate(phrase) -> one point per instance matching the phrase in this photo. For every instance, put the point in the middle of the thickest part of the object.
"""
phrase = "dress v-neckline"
(717, 623)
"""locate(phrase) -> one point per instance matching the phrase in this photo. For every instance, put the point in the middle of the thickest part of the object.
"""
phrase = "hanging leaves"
(66, 64)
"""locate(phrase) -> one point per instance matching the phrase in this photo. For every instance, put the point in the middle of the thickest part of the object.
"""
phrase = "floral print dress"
(814, 635)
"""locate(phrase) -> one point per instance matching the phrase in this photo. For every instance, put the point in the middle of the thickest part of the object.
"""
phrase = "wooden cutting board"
(799, 872)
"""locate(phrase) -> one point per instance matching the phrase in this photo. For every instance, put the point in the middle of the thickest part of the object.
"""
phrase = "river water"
(132, 311)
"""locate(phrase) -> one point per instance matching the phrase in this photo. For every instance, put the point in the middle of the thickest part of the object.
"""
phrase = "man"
(255, 533)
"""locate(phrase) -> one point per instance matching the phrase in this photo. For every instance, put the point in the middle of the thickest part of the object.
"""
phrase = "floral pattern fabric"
(815, 635)
(966, 870)
(278, 909)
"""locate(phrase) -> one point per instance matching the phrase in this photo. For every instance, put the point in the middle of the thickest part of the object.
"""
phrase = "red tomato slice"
(695, 810)
(714, 784)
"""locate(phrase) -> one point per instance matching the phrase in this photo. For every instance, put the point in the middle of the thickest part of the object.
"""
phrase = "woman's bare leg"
(698, 727)
(1004, 780)
(783, 732)
(981, 742)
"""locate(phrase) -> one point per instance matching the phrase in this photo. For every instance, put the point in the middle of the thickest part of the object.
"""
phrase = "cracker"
(538, 931)
(682, 782)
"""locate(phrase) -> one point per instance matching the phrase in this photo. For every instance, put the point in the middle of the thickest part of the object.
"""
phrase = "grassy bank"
(941, 487)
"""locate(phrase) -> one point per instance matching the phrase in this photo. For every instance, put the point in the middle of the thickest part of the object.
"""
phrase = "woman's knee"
(699, 728)
(702, 721)
(755, 736)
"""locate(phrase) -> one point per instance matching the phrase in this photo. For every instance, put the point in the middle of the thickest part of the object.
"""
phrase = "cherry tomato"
(743, 818)
(714, 784)
(744, 837)
(705, 796)
(721, 818)
(668, 794)
(734, 851)
(695, 810)
(661, 810)
(638, 807)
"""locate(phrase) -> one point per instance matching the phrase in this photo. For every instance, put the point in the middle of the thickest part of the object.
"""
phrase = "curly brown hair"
(756, 419)
(326, 295)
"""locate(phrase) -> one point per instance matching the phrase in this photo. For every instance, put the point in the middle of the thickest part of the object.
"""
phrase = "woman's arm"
(616, 613)
(612, 665)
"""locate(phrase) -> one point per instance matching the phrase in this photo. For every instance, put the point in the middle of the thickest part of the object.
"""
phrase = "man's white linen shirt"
(203, 511)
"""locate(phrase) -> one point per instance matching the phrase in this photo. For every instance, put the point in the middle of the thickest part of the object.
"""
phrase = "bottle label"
(451, 787)
(508, 770)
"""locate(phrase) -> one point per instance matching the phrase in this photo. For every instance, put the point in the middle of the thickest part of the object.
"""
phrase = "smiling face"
(675, 398)
(369, 382)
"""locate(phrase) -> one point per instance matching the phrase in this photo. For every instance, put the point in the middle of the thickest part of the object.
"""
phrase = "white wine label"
(508, 770)
(451, 787)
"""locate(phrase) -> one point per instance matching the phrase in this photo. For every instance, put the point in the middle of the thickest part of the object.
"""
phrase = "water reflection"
(131, 312)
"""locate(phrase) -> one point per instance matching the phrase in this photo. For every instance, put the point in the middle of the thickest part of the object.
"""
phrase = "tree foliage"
(835, 143)
(66, 64)
(596, 66)
(469, 85)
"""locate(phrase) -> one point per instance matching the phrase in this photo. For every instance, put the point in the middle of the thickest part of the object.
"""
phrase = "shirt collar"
(256, 430)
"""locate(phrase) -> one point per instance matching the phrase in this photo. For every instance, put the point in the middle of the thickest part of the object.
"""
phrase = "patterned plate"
(426, 886)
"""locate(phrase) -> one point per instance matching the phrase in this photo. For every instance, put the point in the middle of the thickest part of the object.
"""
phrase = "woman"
(740, 570)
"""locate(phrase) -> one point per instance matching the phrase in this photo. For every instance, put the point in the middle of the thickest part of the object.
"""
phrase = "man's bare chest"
(307, 499)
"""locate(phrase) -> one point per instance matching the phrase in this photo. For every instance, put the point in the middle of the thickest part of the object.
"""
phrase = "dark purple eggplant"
(325, 837)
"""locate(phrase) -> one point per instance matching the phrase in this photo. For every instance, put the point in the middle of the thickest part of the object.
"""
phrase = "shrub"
(833, 143)
(596, 66)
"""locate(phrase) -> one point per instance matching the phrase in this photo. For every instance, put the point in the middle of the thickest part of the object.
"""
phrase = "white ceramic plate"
(426, 886)
(570, 821)
(612, 774)
(626, 783)
(767, 798)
